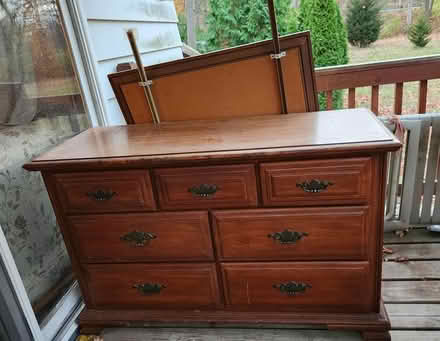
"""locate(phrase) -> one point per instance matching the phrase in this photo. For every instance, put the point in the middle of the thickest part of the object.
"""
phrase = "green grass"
(397, 48)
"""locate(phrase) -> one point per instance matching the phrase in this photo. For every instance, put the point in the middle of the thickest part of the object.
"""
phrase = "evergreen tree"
(237, 22)
(363, 22)
(419, 32)
(329, 37)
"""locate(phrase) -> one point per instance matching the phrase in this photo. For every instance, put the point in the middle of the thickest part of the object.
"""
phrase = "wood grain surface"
(126, 191)
(349, 181)
(332, 233)
(235, 186)
(178, 236)
(343, 287)
(185, 286)
(313, 130)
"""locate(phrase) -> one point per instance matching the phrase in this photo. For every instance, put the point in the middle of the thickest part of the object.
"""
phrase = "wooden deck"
(411, 291)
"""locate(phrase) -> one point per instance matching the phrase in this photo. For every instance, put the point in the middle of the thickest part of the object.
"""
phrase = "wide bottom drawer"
(299, 286)
(145, 286)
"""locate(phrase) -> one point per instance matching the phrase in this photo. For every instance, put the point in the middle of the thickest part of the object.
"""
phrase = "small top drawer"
(317, 182)
(207, 187)
(118, 191)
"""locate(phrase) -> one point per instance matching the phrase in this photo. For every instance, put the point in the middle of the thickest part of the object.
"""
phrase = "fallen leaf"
(402, 260)
(387, 251)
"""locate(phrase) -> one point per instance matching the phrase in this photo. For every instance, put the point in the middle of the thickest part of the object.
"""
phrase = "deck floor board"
(411, 290)
(419, 235)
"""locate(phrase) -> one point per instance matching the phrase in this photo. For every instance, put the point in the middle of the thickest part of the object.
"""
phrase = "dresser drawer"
(116, 191)
(142, 237)
(323, 233)
(315, 287)
(206, 187)
(317, 182)
(144, 286)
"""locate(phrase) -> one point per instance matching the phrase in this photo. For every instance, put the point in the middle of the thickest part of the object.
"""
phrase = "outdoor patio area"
(411, 291)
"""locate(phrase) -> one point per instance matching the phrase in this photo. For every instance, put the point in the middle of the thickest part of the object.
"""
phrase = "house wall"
(107, 21)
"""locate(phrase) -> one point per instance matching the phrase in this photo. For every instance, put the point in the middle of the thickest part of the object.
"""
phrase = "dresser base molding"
(374, 327)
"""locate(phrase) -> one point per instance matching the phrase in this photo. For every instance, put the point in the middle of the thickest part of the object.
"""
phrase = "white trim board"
(20, 292)
(82, 61)
(60, 323)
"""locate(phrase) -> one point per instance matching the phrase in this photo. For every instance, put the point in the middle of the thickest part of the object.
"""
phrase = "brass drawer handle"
(149, 289)
(292, 288)
(101, 195)
(288, 237)
(314, 186)
(204, 190)
(138, 238)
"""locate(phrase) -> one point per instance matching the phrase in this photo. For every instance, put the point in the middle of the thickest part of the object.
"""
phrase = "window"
(40, 107)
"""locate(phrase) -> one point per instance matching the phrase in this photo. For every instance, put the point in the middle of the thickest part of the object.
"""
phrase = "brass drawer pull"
(101, 195)
(292, 288)
(148, 289)
(204, 190)
(138, 238)
(287, 237)
(314, 186)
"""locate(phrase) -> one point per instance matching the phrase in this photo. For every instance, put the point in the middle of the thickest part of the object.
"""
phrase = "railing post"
(352, 98)
(329, 100)
(423, 95)
(375, 99)
(398, 99)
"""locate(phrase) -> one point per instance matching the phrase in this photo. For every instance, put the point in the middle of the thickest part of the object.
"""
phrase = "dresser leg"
(376, 336)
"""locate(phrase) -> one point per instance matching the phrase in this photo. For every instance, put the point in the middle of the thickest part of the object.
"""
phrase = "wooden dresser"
(260, 220)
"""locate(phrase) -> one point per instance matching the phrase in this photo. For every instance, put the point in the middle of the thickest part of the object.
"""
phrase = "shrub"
(329, 37)
(182, 28)
(292, 21)
(435, 19)
(237, 22)
(393, 25)
(363, 22)
(419, 32)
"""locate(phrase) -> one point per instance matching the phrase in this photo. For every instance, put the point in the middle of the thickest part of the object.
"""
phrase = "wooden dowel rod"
(277, 51)
(143, 76)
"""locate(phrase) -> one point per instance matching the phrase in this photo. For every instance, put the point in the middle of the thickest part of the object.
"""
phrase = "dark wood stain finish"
(184, 286)
(105, 191)
(230, 255)
(235, 186)
(346, 181)
(328, 233)
(180, 236)
(331, 287)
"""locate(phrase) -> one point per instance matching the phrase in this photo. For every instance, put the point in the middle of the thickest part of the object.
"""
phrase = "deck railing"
(374, 75)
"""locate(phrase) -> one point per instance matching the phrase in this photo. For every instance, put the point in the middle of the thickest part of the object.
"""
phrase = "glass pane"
(40, 106)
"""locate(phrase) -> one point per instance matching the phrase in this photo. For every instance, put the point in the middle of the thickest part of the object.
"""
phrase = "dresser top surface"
(355, 127)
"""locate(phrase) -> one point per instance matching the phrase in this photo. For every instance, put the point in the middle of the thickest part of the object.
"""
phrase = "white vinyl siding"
(105, 23)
